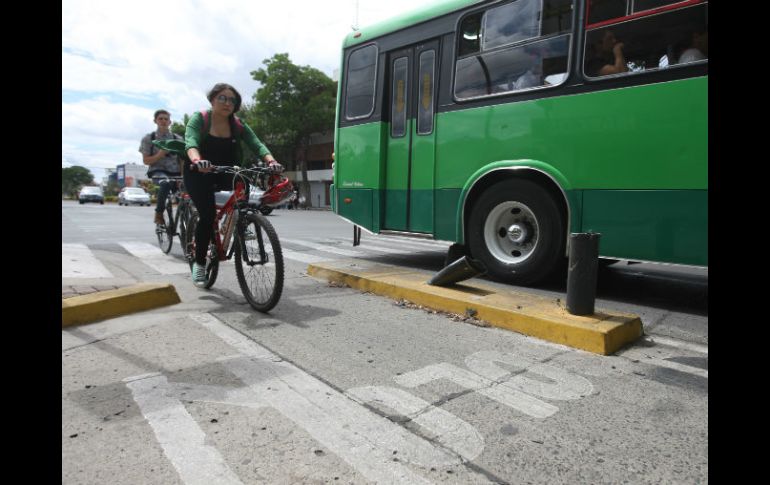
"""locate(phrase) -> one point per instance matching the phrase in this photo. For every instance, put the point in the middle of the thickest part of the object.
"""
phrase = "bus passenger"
(215, 140)
(607, 57)
(696, 47)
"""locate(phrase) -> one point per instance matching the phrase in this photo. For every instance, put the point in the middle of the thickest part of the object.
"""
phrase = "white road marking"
(179, 435)
(323, 247)
(451, 431)
(647, 356)
(152, 256)
(680, 344)
(301, 257)
(385, 249)
(563, 386)
(503, 394)
(406, 241)
(362, 438)
(77, 261)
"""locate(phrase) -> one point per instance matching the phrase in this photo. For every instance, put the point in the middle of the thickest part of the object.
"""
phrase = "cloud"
(123, 60)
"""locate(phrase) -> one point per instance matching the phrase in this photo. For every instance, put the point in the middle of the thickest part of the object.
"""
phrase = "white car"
(133, 195)
(91, 194)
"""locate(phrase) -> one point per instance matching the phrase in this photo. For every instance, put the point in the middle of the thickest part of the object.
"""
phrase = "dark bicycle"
(174, 224)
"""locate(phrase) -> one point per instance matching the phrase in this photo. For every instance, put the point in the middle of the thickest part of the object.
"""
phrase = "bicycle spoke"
(260, 267)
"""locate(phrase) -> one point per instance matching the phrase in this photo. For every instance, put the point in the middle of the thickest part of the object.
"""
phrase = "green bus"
(505, 126)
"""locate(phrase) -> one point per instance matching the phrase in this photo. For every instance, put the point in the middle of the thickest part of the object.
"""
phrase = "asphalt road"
(335, 385)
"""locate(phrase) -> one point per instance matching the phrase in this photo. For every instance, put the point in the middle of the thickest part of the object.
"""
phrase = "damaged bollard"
(460, 270)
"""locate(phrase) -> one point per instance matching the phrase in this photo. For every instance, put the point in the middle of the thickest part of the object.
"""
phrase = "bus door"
(410, 157)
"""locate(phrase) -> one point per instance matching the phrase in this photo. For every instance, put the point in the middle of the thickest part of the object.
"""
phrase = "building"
(111, 175)
(130, 174)
(318, 156)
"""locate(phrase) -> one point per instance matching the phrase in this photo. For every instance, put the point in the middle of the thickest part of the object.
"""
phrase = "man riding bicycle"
(213, 137)
(162, 163)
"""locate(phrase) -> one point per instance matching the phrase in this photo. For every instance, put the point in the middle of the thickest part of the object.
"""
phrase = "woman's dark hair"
(218, 88)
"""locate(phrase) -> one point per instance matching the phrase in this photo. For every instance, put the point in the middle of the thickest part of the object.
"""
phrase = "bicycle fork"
(242, 224)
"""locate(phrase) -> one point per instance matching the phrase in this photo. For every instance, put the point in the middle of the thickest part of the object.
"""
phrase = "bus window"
(425, 105)
(470, 35)
(523, 45)
(642, 5)
(511, 23)
(398, 104)
(601, 10)
(361, 74)
(512, 69)
(661, 40)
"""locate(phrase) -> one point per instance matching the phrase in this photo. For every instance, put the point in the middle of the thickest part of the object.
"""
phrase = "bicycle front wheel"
(166, 232)
(258, 262)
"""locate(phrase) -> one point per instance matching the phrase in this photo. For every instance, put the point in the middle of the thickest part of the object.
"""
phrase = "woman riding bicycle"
(213, 138)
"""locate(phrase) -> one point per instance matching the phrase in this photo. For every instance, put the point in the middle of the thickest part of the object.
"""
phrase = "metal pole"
(356, 235)
(581, 275)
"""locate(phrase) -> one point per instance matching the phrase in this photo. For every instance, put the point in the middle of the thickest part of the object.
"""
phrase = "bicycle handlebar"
(236, 169)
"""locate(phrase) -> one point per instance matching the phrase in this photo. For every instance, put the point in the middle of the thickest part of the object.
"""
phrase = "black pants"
(166, 186)
(201, 187)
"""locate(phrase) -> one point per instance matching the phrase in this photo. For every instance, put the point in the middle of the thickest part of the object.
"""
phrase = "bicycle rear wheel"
(258, 262)
(185, 213)
(212, 257)
(165, 232)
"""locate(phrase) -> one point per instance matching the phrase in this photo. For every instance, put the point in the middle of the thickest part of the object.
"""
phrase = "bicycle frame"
(229, 210)
(224, 241)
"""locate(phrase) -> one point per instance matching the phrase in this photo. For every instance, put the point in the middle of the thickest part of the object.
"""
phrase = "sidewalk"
(68, 291)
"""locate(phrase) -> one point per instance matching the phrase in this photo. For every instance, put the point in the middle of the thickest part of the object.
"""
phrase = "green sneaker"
(199, 275)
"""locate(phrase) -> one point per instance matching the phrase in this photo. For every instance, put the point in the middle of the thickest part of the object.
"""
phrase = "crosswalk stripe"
(77, 261)
(382, 247)
(323, 247)
(301, 257)
(153, 257)
(406, 241)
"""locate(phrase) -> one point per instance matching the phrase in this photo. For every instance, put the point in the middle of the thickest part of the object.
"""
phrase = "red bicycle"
(240, 230)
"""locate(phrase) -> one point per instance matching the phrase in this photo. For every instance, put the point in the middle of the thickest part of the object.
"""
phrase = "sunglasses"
(224, 99)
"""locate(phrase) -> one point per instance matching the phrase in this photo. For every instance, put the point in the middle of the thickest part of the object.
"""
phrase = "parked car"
(91, 194)
(133, 195)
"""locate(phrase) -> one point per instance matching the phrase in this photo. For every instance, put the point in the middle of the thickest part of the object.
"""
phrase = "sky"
(123, 60)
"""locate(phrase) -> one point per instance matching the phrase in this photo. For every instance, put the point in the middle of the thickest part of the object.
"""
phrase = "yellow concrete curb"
(603, 333)
(114, 303)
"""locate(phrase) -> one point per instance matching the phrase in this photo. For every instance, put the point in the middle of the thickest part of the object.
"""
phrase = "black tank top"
(219, 151)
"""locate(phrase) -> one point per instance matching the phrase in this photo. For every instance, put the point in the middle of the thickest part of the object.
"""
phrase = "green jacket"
(193, 137)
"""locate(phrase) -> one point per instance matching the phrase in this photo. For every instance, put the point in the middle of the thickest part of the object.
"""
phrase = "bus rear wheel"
(517, 230)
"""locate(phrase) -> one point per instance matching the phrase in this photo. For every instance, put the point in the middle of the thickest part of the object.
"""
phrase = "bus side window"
(361, 73)
(657, 41)
(513, 47)
(470, 35)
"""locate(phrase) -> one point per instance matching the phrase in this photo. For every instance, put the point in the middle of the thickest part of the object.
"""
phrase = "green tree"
(178, 128)
(73, 178)
(112, 188)
(292, 103)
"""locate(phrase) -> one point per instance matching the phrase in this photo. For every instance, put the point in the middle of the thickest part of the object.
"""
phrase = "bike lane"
(336, 385)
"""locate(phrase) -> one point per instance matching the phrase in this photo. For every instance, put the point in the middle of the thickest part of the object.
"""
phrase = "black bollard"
(581, 275)
(461, 269)
(356, 235)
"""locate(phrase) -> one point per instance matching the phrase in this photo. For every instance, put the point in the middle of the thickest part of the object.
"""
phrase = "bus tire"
(517, 230)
